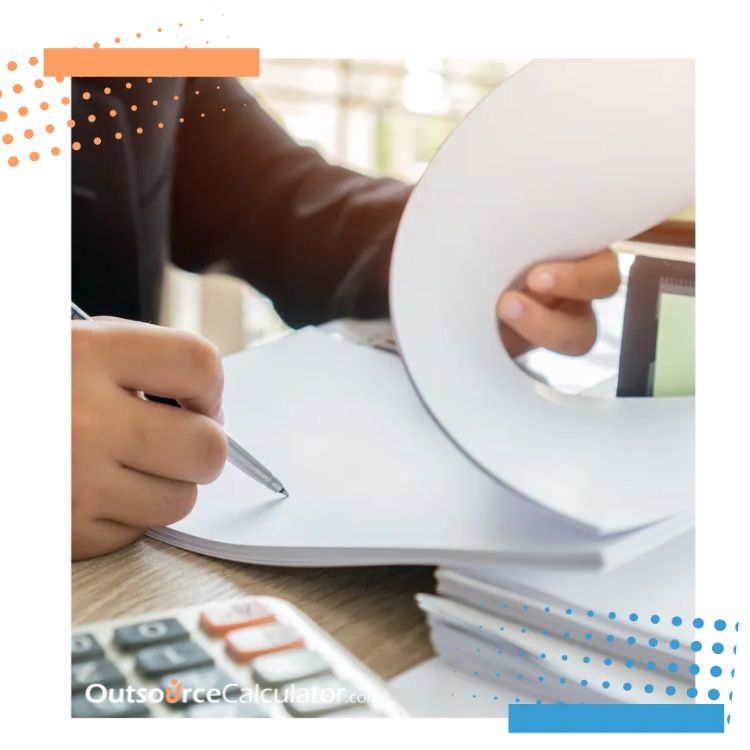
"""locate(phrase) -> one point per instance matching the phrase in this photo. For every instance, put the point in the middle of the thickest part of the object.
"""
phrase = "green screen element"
(674, 364)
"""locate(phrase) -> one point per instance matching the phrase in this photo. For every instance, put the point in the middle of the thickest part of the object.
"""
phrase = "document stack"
(622, 635)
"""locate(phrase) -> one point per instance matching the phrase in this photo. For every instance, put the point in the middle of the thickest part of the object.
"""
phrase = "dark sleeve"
(314, 237)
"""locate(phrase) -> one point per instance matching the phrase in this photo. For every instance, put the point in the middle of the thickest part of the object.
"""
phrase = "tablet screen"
(673, 373)
(657, 357)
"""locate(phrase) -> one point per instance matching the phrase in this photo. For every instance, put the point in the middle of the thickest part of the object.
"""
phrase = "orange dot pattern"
(39, 83)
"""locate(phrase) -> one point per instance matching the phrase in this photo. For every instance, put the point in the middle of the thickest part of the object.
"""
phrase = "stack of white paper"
(615, 636)
(372, 479)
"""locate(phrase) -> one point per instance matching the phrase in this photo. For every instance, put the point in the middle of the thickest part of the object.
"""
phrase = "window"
(382, 117)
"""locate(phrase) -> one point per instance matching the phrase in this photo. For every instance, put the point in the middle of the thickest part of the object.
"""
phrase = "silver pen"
(237, 455)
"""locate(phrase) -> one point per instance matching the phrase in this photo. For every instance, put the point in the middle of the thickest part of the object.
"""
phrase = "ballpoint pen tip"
(283, 492)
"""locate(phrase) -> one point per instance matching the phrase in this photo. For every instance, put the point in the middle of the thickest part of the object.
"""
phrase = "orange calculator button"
(222, 619)
(246, 644)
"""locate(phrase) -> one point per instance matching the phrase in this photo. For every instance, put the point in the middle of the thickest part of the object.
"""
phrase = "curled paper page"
(564, 158)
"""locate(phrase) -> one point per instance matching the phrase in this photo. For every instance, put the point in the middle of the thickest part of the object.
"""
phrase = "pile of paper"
(621, 635)
(372, 479)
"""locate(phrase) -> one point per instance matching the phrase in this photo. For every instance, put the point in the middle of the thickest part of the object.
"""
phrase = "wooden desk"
(371, 611)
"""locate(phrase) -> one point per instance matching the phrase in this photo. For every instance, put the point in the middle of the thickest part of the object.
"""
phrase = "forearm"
(314, 237)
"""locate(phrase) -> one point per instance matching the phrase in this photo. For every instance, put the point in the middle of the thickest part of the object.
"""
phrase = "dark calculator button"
(275, 670)
(319, 696)
(102, 672)
(226, 711)
(131, 637)
(82, 708)
(198, 682)
(84, 647)
(157, 661)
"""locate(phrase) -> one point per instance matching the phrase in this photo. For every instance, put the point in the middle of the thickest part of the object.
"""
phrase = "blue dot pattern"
(612, 658)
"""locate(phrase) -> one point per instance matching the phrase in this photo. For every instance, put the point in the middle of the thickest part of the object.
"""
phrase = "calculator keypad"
(253, 657)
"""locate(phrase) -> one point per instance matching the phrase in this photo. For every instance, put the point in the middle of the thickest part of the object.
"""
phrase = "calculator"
(252, 657)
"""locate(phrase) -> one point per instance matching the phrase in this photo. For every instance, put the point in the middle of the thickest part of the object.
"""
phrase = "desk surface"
(371, 611)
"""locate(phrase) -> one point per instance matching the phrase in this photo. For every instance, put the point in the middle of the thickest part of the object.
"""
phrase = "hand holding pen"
(137, 464)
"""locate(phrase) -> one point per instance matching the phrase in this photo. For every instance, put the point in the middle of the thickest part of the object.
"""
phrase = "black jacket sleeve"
(316, 238)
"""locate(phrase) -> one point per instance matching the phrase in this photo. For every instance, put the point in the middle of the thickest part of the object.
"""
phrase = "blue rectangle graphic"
(617, 718)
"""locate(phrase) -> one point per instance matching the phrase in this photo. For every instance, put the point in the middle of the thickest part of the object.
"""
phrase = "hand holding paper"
(553, 310)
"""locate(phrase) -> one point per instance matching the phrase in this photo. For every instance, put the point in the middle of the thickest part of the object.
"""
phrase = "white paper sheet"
(371, 478)
(661, 582)
(561, 160)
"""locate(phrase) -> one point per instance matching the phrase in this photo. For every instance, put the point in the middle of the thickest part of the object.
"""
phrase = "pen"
(237, 455)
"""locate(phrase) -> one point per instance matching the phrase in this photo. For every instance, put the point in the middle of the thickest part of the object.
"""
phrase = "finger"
(143, 500)
(569, 328)
(590, 278)
(164, 362)
(515, 344)
(168, 442)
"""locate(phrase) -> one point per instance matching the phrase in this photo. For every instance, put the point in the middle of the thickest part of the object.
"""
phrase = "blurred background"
(380, 117)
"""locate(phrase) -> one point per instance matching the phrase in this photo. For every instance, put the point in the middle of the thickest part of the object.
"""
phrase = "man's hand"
(554, 309)
(137, 463)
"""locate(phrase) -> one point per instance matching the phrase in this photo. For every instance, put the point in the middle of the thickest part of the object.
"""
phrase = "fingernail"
(511, 308)
(543, 281)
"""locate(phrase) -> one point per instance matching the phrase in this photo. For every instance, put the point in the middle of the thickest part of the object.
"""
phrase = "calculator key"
(157, 661)
(221, 619)
(246, 644)
(101, 671)
(275, 670)
(131, 637)
(319, 696)
(84, 647)
(226, 711)
(202, 680)
(82, 708)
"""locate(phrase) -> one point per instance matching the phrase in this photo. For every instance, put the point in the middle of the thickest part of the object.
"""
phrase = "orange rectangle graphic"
(156, 62)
